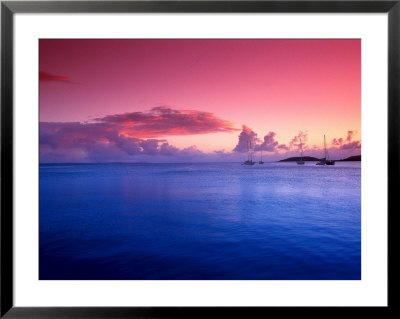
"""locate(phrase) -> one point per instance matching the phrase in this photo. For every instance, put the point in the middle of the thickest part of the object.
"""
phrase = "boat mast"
(325, 147)
(301, 150)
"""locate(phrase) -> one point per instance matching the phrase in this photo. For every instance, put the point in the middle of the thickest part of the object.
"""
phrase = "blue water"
(200, 221)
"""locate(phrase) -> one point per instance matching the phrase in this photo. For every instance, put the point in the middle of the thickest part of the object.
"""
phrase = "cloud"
(350, 135)
(126, 135)
(71, 134)
(341, 141)
(130, 145)
(282, 147)
(121, 137)
(351, 146)
(47, 77)
(347, 143)
(131, 133)
(295, 142)
(191, 151)
(168, 150)
(248, 136)
(337, 141)
(164, 121)
(269, 144)
(95, 137)
(220, 152)
(247, 139)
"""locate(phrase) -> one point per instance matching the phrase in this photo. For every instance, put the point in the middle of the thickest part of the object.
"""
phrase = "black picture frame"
(9, 8)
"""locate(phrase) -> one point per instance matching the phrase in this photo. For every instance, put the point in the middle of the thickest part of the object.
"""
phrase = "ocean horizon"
(181, 162)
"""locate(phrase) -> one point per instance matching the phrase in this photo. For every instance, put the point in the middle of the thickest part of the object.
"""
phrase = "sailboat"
(261, 161)
(301, 162)
(249, 155)
(326, 160)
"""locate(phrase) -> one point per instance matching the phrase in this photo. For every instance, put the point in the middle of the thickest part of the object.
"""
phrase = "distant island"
(355, 158)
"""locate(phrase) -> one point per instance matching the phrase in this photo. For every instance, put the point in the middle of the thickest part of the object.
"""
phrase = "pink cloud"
(163, 121)
(337, 141)
(46, 77)
(350, 135)
(347, 143)
(295, 142)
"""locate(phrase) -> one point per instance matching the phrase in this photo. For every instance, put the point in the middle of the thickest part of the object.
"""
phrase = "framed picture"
(188, 158)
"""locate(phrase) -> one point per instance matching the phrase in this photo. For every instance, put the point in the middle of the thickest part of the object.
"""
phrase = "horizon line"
(212, 162)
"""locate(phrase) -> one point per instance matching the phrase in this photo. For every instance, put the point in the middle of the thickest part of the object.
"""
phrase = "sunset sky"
(188, 100)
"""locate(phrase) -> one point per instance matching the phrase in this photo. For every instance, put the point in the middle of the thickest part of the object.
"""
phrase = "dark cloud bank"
(120, 137)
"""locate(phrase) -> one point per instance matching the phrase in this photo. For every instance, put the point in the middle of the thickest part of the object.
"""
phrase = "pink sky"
(197, 93)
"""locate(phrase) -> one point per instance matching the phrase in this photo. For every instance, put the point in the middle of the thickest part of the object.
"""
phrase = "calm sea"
(200, 221)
